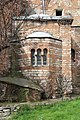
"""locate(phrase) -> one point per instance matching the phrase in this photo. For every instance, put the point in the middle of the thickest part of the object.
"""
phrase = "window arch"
(39, 57)
(33, 56)
(45, 56)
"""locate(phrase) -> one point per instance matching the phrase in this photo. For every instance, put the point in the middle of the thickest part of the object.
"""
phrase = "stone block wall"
(67, 7)
(8, 93)
(45, 75)
(66, 51)
(69, 34)
(15, 93)
(76, 64)
(60, 32)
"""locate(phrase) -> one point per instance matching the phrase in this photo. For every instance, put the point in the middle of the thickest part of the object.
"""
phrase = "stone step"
(76, 90)
(3, 118)
(6, 111)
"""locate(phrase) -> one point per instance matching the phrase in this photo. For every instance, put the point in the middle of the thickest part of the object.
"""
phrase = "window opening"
(45, 56)
(58, 12)
(39, 57)
(33, 57)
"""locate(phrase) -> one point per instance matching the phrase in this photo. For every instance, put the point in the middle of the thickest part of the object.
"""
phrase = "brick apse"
(48, 43)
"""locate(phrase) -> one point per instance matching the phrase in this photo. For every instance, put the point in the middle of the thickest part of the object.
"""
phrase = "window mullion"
(42, 59)
(36, 60)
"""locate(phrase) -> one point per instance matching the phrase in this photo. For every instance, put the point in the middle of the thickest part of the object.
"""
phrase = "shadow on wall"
(76, 67)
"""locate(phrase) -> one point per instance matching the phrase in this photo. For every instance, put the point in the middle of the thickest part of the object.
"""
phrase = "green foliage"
(67, 110)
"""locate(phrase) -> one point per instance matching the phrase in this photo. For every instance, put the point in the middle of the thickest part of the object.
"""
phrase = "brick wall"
(69, 34)
(76, 64)
(43, 74)
(61, 51)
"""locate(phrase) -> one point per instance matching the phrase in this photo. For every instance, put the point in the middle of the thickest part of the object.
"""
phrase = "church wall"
(62, 32)
(76, 63)
(66, 50)
(45, 75)
(70, 39)
(59, 31)
(28, 27)
(68, 7)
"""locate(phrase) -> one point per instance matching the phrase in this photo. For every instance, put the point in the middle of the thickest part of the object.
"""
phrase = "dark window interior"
(73, 55)
(45, 57)
(58, 12)
(33, 57)
(39, 57)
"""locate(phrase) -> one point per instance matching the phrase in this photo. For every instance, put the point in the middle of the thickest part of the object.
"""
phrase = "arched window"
(45, 56)
(38, 56)
(33, 56)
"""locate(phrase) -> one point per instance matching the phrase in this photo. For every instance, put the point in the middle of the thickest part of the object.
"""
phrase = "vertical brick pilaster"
(66, 52)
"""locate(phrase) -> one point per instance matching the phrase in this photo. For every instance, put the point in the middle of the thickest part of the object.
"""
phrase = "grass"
(67, 110)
